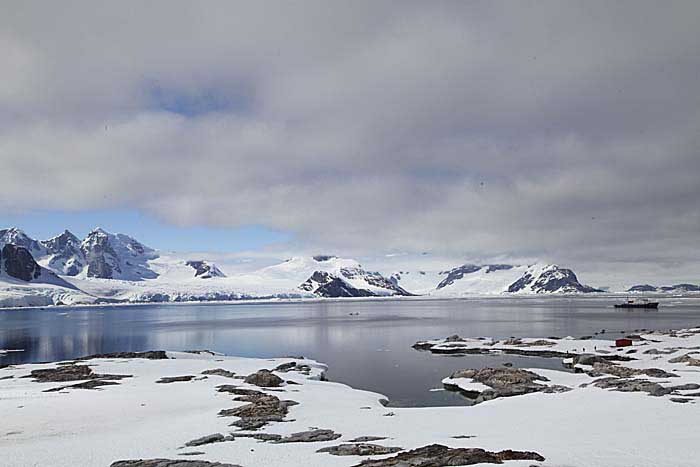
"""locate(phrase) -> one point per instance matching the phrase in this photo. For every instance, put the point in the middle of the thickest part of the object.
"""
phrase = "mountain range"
(107, 267)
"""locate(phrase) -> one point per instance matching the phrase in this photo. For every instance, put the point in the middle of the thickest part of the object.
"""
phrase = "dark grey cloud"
(567, 131)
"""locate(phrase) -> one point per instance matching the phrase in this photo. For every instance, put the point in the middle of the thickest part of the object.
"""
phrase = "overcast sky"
(568, 131)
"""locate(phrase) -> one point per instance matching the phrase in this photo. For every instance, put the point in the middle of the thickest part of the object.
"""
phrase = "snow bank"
(139, 418)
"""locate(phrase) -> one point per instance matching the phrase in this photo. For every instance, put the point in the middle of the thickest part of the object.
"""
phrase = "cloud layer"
(562, 130)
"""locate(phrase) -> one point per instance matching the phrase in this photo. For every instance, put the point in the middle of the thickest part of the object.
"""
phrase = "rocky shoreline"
(202, 409)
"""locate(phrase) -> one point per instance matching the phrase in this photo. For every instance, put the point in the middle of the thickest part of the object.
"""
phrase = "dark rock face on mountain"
(551, 279)
(681, 288)
(642, 288)
(322, 258)
(66, 256)
(205, 270)
(101, 258)
(317, 279)
(373, 278)
(458, 273)
(17, 262)
(110, 256)
(678, 288)
(337, 288)
(333, 285)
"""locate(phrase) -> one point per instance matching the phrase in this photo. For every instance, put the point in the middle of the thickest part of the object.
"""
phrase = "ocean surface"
(366, 343)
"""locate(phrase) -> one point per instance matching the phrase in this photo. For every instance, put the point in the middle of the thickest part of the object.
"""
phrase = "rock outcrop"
(436, 455)
(205, 270)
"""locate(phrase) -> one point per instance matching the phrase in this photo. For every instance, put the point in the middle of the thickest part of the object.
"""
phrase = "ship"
(638, 303)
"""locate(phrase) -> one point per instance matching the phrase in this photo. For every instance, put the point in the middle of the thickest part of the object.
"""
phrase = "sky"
(566, 131)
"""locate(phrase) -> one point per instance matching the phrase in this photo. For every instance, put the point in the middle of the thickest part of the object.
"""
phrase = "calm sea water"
(367, 344)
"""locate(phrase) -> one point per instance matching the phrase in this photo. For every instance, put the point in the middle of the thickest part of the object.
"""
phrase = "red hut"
(623, 342)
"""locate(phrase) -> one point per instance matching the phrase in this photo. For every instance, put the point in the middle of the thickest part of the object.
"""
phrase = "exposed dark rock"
(261, 408)
(200, 352)
(66, 256)
(209, 439)
(361, 449)
(91, 384)
(220, 372)
(322, 258)
(205, 270)
(338, 288)
(311, 436)
(504, 382)
(330, 285)
(149, 355)
(680, 400)
(258, 436)
(168, 463)
(437, 455)
(458, 273)
(264, 379)
(660, 352)
(230, 388)
(366, 439)
(18, 262)
(293, 366)
(687, 358)
(110, 256)
(175, 379)
(633, 385)
(681, 288)
(70, 373)
(642, 288)
(626, 372)
(686, 387)
(552, 279)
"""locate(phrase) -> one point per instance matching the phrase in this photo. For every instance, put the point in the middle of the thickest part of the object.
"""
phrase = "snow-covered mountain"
(17, 237)
(64, 254)
(110, 256)
(117, 268)
(490, 279)
(23, 282)
(335, 277)
(205, 270)
(673, 289)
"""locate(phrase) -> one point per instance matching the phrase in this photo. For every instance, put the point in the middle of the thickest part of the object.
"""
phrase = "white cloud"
(544, 129)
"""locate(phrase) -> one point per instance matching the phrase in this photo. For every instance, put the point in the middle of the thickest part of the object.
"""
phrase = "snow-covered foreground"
(140, 418)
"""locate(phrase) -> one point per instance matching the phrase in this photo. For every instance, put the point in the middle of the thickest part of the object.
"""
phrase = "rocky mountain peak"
(16, 261)
(17, 237)
(119, 256)
(205, 270)
(549, 279)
